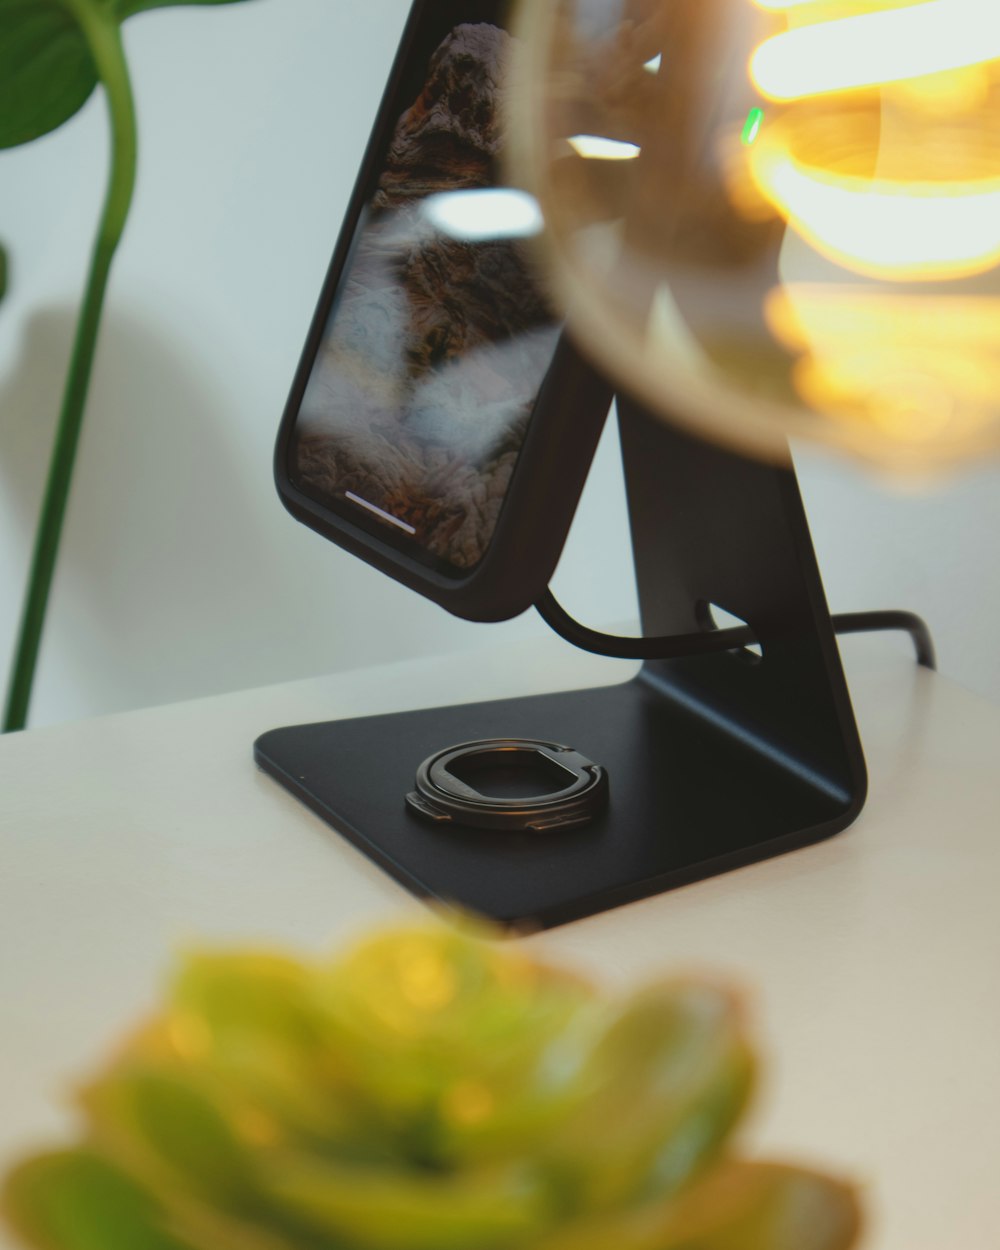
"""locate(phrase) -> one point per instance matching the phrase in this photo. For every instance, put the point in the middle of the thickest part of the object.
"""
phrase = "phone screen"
(438, 339)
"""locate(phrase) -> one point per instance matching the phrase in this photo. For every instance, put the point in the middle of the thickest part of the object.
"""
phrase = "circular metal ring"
(571, 789)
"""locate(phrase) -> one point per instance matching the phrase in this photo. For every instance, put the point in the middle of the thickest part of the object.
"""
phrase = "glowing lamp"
(777, 217)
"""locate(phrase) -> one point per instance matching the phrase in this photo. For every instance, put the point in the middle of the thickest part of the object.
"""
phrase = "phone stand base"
(713, 761)
(686, 801)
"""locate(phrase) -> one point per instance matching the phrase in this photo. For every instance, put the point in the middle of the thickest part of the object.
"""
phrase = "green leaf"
(461, 1045)
(75, 1200)
(764, 1206)
(166, 1131)
(661, 1092)
(249, 1019)
(395, 1210)
(737, 1206)
(46, 70)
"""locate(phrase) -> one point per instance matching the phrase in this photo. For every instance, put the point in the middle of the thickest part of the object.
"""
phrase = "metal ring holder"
(571, 791)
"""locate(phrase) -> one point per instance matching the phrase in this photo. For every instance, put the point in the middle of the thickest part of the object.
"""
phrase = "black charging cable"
(673, 646)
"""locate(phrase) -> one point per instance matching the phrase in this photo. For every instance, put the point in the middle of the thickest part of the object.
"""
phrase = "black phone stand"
(714, 761)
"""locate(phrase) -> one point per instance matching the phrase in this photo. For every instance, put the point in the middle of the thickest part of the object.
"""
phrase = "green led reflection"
(752, 125)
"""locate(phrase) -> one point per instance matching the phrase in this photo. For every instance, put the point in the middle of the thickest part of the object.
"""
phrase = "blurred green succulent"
(428, 1091)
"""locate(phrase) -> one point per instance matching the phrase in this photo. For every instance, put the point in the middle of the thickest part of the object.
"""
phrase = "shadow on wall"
(165, 542)
(29, 401)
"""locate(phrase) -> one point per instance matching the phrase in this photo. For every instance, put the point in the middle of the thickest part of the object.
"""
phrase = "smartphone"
(441, 424)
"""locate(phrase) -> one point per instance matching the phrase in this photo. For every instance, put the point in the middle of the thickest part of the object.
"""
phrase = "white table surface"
(872, 960)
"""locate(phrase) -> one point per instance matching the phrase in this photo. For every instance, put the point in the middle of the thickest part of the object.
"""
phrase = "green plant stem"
(104, 39)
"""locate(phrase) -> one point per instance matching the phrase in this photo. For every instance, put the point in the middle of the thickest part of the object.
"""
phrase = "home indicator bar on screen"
(386, 516)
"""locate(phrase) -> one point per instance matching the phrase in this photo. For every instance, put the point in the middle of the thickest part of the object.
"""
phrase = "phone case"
(561, 437)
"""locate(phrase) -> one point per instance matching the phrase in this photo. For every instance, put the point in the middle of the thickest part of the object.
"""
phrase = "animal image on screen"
(438, 338)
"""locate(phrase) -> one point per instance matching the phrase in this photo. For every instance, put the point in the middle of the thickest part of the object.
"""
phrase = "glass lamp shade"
(768, 218)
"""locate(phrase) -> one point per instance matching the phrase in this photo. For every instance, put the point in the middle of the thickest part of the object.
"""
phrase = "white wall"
(181, 574)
